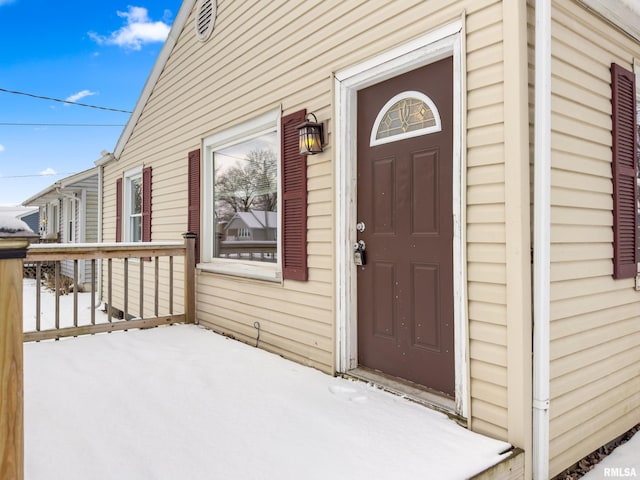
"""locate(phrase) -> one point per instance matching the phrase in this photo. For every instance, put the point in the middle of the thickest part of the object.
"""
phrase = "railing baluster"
(157, 286)
(190, 278)
(93, 291)
(141, 287)
(109, 290)
(57, 287)
(126, 288)
(75, 292)
(171, 285)
(38, 299)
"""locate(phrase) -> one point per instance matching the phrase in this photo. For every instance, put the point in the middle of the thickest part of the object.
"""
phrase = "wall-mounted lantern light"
(311, 136)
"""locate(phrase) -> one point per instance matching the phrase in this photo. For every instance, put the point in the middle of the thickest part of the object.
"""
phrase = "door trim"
(431, 47)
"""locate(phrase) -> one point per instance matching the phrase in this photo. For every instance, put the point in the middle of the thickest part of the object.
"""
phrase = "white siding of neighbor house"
(595, 320)
(85, 224)
(265, 54)
(89, 223)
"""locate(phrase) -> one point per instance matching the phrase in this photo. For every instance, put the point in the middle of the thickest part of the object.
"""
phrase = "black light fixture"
(311, 136)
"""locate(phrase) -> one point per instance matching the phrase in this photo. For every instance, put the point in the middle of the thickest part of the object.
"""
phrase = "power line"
(36, 175)
(63, 101)
(9, 124)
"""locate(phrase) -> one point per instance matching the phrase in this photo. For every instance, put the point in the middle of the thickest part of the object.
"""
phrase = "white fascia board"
(169, 43)
(622, 13)
(104, 159)
(41, 198)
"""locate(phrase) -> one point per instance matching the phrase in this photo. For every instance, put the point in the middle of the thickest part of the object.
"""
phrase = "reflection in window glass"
(246, 199)
(134, 188)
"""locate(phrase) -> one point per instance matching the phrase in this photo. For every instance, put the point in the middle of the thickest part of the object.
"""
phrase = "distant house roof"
(12, 219)
(51, 192)
(17, 211)
(256, 219)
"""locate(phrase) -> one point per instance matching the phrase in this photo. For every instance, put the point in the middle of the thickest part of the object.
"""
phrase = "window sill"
(235, 268)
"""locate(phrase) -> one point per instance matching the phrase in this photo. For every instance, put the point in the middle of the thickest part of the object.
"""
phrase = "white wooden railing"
(151, 260)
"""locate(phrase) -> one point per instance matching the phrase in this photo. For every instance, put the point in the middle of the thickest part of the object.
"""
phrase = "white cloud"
(6, 2)
(48, 171)
(77, 96)
(139, 29)
(2, 149)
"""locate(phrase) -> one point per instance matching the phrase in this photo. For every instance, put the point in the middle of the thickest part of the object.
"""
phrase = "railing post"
(13, 249)
(190, 277)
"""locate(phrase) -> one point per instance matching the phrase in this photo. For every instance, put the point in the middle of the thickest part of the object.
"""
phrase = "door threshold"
(411, 391)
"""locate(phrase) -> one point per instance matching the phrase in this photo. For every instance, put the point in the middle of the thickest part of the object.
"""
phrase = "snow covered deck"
(183, 402)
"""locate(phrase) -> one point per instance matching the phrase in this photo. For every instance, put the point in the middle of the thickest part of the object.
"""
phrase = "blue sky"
(94, 52)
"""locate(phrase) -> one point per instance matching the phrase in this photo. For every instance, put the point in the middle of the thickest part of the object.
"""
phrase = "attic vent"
(205, 19)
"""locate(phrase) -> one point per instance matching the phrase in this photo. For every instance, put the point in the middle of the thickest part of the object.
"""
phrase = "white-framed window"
(132, 211)
(69, 216)
(52, 226)
(241, 198)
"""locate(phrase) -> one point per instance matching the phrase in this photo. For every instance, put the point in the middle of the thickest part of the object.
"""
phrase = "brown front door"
(405, 183)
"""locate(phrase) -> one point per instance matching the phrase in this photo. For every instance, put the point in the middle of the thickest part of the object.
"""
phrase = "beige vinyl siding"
(595, 329)
(486, 236)
(262, 55)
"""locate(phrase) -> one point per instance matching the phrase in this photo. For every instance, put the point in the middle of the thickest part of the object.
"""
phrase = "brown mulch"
(588, 462)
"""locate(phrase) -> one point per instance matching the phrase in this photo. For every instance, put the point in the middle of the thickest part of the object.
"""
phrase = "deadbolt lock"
(359, 253)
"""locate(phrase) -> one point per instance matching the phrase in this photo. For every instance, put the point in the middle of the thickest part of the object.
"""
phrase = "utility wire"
(36, 175)
(63, 101)
(9, 124)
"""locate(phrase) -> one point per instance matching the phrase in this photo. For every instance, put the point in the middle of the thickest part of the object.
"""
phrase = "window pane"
(136, 195)
(136, 229)
(246, 199)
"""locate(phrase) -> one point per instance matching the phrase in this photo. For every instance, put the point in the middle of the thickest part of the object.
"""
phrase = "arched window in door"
(408, 114)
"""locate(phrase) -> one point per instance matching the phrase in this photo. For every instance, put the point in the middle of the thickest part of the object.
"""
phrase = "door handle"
(360, 226)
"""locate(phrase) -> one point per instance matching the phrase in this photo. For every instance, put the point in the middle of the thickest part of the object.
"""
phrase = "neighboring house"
(31, 218)
(251, 235)
(471, 153)
(252, 225)
(68, 211)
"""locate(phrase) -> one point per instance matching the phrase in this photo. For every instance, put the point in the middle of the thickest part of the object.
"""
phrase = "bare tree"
(251, 186)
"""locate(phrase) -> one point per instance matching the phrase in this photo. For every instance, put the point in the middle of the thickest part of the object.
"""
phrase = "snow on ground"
(48, 308)
(181, 402)
(623, 462)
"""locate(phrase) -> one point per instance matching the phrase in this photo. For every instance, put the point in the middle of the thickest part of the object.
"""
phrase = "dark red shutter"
(625, 190)
(294, 200)
(146, 204)
(119, 210)
(193, 213)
